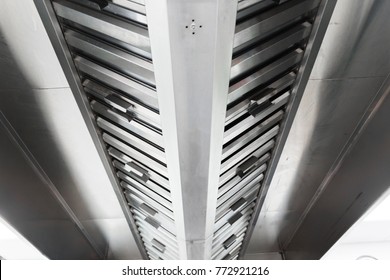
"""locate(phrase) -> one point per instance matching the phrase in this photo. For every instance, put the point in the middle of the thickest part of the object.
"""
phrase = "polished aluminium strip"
(143, 208)
(148, 220)
(153, 210)
(149, 230)
(125, 62)
(221, 253)
(152, 190)
(249, 121)
(253, 133)
(239, 183)
(243, 4)
(140, 2)
(230, 242)
(230, 214)
(231, 211)
(134, 193)
(234, 229)
(136, 187)
(150, 150)
(156, 255)
(240, 88)
(154, 177)
(123, 160)
(252, 6)
(144, 114)
(132, 12)
(249, 196)
(236, 224)
(268, 21)
(271, 48)
(53, 29)
(111, 26)
(127, 122)
(139, 217)
(262, 153)
(225, 219)
(260, 96)
(140, 157)
(166, 255)
(225, 209)
(136, 6)
(223, 235)
(135, 89)
(163, 205)
(227, 230)
(318, 30)
(159, 245)
(168, 225)
(263, 139)
(164, 236)
(240, 188)
(149, 235)
(233, 254)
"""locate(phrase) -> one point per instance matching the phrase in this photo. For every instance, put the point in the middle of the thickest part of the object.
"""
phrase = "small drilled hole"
(193, 33)
(193, 20)
(186, 26)
(200, 26)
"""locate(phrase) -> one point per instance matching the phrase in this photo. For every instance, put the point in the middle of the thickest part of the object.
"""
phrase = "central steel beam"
(192, 43)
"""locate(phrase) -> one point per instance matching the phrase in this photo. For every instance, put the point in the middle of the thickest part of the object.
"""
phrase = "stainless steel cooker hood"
(189, 103)
(214, 137)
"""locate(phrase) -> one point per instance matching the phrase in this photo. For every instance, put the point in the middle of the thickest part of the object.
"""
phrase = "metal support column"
(192, 44)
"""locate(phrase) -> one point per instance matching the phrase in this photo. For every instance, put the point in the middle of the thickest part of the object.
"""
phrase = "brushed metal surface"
(357, 41)
(104, 24)
(348, 73)
(358, 180)
(28, 47)
(192, 78)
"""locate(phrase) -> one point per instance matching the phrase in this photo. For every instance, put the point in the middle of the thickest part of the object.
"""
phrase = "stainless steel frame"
(318, 30)
(185, 117)
(49, 19)
(192, 49)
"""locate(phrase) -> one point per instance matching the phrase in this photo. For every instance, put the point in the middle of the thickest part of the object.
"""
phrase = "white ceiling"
(368, 237)
(13, 246)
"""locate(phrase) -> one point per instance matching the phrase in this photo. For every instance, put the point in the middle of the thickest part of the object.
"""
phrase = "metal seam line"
(43, 176)
(53, 29)
(369, 113)
(319, 28)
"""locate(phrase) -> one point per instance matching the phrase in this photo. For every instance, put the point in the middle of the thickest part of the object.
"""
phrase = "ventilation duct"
(189, 104)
